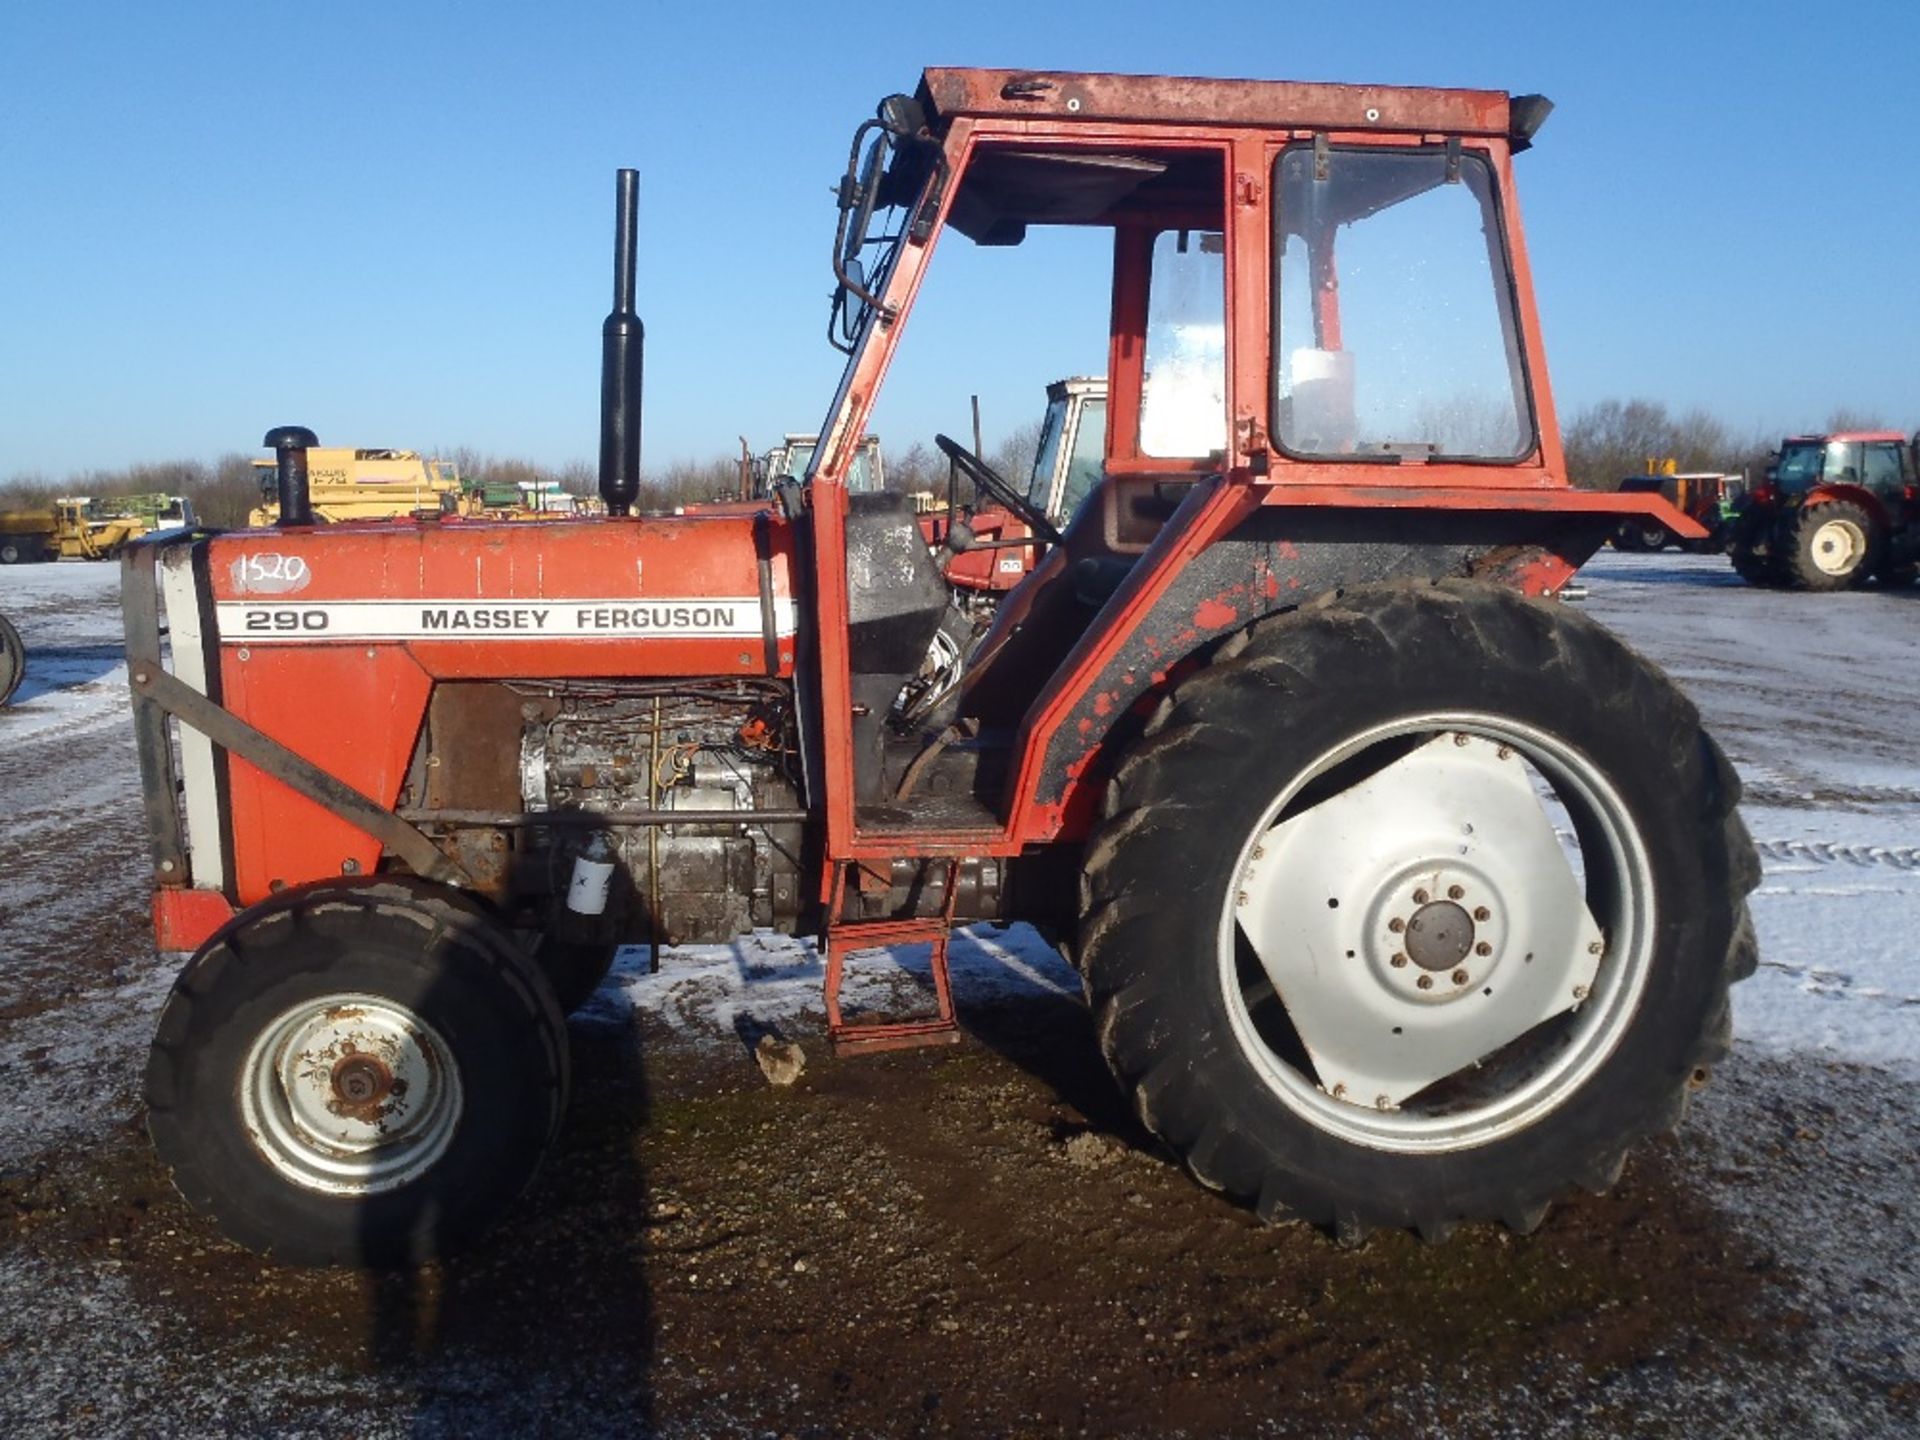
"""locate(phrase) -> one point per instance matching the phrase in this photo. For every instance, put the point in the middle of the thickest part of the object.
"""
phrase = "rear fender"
(1187, 593)
(1853, 494)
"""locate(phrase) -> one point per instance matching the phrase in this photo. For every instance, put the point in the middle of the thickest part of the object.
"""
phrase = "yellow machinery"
(79, 527)
(350, 484)
(28, 535)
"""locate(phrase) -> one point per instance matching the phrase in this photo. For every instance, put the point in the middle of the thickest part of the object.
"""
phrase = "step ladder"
(847, 937)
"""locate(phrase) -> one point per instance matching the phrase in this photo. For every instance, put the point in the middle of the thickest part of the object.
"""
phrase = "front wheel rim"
(351, 1095)
(1328, 926)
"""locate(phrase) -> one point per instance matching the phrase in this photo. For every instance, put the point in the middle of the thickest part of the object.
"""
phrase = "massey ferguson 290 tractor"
(1403, 896)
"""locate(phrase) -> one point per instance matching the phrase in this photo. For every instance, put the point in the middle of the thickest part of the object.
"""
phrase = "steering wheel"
(985, 477)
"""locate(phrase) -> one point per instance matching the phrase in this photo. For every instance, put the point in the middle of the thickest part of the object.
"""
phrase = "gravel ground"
(981, 1241)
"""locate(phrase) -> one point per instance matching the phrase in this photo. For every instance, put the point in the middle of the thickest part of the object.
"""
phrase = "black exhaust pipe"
(289, 445)
(622, 339)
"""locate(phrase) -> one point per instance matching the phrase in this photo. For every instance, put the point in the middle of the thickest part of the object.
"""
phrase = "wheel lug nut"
(1419, 897)
(1483, 948)
(1399, 962)
(1505, 751)
(1461, 738)
(1454, 892)
(1396, 925)
(1594, 948)
(1425, 982)
(1480, 912)
(1459, 977)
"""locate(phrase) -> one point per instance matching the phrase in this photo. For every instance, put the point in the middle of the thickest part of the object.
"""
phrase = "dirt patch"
(975, 1241)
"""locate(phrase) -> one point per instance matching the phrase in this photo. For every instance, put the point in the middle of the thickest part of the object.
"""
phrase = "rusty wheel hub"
(351, 1095)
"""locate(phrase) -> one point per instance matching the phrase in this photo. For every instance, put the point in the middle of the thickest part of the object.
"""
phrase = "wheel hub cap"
(350, 1095)
(1838, 546)
(1439, 936)
(1420, 920)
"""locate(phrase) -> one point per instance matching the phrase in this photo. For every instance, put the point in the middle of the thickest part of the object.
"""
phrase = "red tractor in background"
(1832, 511)
(1403, 896)
(1003, 534)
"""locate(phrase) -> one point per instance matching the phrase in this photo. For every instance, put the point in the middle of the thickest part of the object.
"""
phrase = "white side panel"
(206, 854)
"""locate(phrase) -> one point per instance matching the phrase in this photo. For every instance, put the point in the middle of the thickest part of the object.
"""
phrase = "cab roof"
(1184, 100)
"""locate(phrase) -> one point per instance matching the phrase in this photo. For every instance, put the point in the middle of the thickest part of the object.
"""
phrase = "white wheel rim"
(1838, 546)
(1536, 965)
(350, 1095)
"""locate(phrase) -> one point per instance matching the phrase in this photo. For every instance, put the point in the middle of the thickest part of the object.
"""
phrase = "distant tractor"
(1832, 511)
(79, 527)
(90, 529)
(1705, 496)
(1005, 531)
(790, 459)
(13, 660)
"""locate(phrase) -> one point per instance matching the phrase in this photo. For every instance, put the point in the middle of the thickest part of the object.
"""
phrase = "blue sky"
(391, 221)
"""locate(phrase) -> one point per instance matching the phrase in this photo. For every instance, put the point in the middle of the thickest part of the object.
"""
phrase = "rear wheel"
(356, 1075)
(13, 660)
(1417, 908)
(11, 553)
(1833, 547)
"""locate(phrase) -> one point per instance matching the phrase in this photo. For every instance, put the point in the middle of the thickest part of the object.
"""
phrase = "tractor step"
(941, 1028)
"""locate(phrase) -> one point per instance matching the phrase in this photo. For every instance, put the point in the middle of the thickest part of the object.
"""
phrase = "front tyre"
(1416, 908)
(13, 660)
(356, 1075)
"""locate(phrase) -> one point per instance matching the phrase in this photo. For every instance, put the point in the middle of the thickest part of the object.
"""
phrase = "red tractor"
(1832, 511)
(992, 547)
(1403, 895)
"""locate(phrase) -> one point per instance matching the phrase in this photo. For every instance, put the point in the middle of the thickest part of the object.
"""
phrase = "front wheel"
(13, 660)
(356, 1075)
(1415, 909)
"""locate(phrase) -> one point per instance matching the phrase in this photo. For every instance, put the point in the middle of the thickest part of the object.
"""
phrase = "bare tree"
(1608, 441)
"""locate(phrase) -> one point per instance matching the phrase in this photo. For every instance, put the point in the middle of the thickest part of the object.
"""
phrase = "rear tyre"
(11, 553)
(1347, 956)
(13, 660)
(360, 1074)
(1834, 546)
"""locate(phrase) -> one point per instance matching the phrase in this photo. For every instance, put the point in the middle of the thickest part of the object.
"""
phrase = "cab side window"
(1883, 469)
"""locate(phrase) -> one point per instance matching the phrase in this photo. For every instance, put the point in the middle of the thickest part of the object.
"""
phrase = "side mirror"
(1773, 473)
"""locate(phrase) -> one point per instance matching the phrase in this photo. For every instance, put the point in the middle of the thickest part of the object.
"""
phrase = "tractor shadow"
(548, 1324)
(52, 669)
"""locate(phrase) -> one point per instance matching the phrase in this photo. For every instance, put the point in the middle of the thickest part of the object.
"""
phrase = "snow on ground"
(1816, 699)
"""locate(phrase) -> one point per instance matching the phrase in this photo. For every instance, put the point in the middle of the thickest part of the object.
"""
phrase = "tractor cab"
(1320, 307)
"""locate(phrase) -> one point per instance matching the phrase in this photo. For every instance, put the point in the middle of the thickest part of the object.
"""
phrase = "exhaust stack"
(289, 444)
(622, 339)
